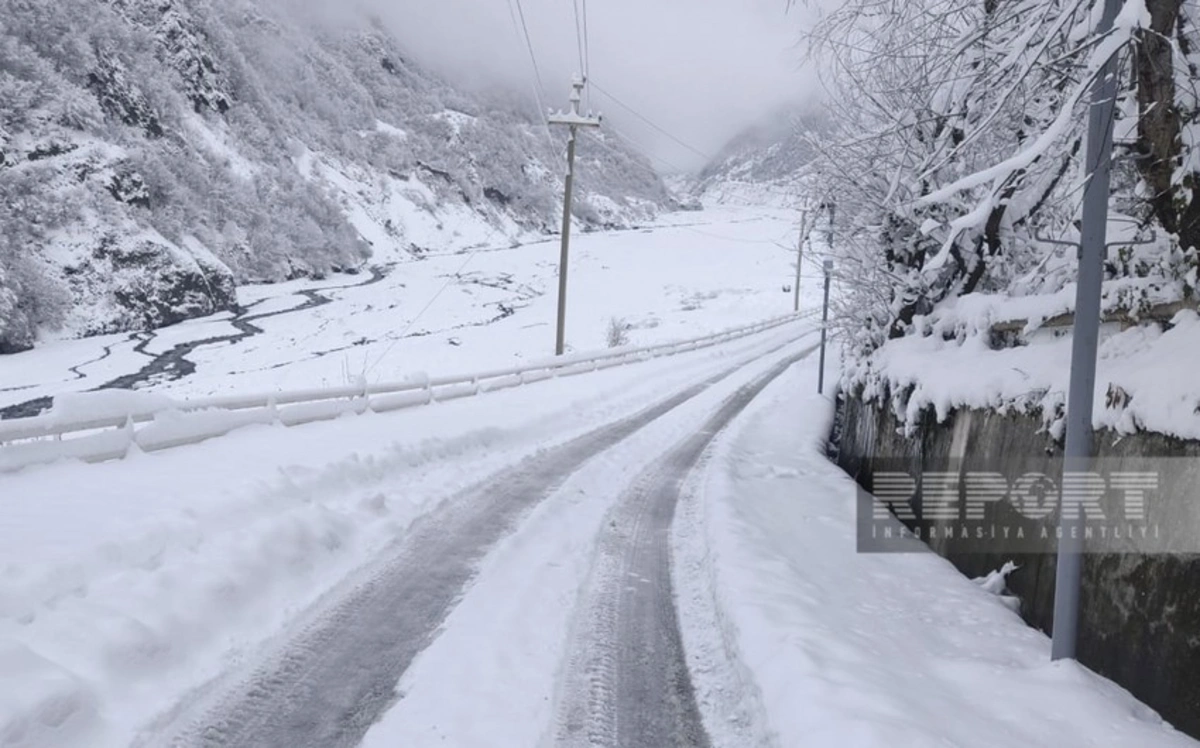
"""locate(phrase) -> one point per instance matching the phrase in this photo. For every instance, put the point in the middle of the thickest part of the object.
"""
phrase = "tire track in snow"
(629, 686)
(334, 679)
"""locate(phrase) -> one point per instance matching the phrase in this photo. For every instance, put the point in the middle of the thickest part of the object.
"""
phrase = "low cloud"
(702, 70)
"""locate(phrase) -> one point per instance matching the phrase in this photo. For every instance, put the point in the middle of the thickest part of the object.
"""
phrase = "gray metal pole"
(800, 258)
(560, 338)
(824, 326)
(1084, 342)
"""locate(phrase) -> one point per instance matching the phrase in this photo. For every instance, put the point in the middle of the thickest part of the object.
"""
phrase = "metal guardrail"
(50, 437)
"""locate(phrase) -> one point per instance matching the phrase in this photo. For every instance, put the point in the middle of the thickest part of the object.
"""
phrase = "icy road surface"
(326, 687)
(627, 681)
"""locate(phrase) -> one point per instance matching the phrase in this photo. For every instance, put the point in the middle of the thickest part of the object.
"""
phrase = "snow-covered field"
(690, 274)
(171, 597)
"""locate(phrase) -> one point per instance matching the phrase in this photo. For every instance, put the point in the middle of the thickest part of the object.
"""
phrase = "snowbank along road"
(337, 674)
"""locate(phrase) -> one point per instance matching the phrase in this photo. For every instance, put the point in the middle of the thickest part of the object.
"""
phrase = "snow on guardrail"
(107, 425)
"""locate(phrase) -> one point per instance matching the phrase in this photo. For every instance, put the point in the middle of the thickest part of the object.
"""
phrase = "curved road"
(628, 685)
(337, 675)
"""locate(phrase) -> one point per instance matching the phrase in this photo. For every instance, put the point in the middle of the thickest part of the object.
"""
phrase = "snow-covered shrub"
(617, 334)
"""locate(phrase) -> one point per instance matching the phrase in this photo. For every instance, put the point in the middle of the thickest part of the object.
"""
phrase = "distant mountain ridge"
(766, 163)
(155, 153)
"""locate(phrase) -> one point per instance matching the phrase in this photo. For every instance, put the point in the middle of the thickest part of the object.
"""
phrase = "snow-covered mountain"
(155, 153)
(765, 164)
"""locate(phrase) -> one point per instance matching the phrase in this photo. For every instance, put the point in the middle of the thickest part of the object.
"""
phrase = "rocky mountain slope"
(765, 164)
(155, 153)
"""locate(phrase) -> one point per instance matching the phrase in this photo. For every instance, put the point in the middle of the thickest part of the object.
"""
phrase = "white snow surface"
(125, 585)
(949, 360)
(1151, 367)
(792, 637)
(834, 647)
(458, 310)
(131, 591)
(492, 677)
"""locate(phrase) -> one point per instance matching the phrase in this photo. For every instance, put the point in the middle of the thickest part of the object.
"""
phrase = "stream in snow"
(173, 363)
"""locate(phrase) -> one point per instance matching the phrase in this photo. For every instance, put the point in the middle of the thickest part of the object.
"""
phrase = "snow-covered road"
(127, 607)
(627, 681)
(329, 683)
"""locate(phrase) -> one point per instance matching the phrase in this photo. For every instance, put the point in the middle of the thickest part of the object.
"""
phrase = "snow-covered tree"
(957, 135)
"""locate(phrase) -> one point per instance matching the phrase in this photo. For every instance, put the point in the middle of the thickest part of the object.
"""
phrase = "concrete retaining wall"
(1140, 616)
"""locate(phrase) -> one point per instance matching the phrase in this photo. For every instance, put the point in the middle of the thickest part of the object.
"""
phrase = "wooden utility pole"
(574, 120)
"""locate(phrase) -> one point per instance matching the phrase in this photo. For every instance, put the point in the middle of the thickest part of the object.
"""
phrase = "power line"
(641, 149)
(579, 41)
(404, 331)
(638, 149)
(603, 143)
(449, 280)
(587, 54)
(653, 125)
(776, 242)
(538, 88)
(528, 45)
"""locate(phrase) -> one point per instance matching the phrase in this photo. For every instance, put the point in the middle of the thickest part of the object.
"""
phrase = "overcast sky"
(701, 69)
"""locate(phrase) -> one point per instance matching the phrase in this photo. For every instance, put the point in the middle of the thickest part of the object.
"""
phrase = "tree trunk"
(1159, 145)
